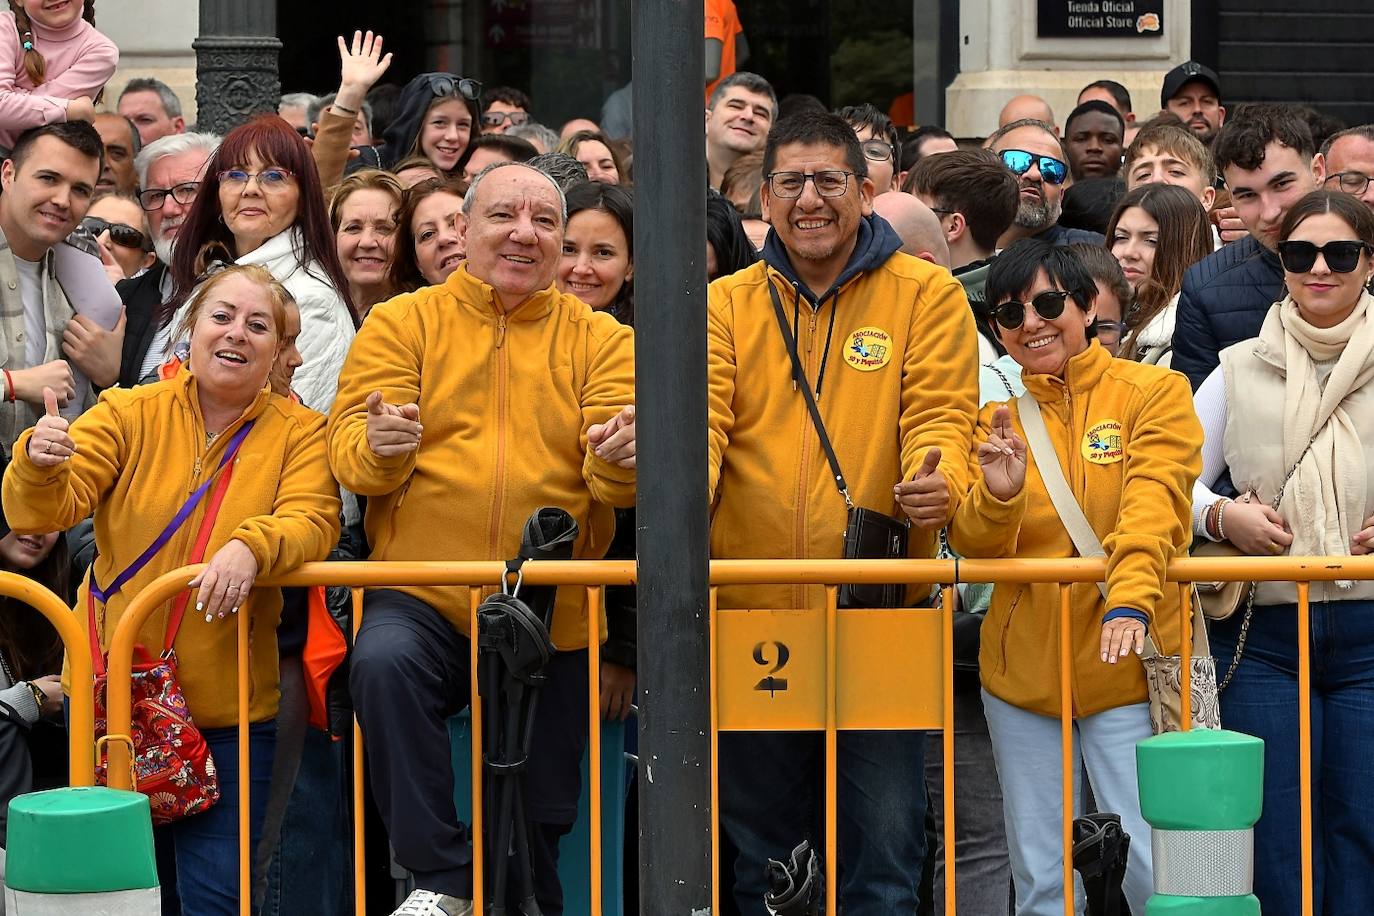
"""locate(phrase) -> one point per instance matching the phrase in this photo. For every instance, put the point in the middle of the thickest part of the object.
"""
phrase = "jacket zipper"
(1006, 628)
(502, 370)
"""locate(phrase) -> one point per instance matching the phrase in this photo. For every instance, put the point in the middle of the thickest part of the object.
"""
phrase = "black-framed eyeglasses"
(1053, 170)
(877, 150)
(122, 234)
(443, 84)
(154, 198)
(1350, 182)
(1341, 257)
(943, 211)
(1049, 305)
(497, 118)
(827, 182)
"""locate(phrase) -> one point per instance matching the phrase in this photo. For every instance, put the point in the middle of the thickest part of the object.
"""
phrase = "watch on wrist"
(39, 697)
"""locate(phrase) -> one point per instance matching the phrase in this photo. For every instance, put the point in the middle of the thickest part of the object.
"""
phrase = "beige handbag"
(1220, 600)
(1162, 672)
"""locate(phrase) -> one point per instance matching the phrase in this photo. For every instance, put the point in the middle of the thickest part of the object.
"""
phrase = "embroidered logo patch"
(868, 349)
(1102, 444)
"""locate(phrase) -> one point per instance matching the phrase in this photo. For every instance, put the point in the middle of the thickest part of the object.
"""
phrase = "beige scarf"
(1327, 493)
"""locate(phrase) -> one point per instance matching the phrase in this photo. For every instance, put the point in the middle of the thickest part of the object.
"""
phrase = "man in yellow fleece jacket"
(462, 408)
(888, 346)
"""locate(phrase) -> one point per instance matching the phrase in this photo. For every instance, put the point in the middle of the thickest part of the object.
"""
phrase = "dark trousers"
(409, 673)
(771, 798)
(1262, 700)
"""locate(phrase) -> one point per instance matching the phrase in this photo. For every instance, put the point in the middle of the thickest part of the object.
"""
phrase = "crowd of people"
(401, 317)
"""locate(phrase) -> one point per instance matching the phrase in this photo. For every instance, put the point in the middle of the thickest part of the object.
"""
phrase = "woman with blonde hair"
(363, 213)
(131, 461)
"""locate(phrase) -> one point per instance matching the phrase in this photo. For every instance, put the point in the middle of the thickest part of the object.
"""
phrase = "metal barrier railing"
(815, 640)
(81, 712)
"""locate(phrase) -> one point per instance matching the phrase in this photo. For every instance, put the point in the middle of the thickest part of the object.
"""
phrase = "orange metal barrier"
(81, 713)
(752, 645)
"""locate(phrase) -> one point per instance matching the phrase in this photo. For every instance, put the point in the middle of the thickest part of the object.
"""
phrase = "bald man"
(1026, 106)
(916, 225)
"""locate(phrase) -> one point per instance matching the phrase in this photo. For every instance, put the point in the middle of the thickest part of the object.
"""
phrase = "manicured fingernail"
(200, 606)
(234, 610)
(208, 617)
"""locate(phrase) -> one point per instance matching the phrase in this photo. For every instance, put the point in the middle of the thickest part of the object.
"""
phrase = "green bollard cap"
(1201, 780)
(1202, 906)
(80, 841)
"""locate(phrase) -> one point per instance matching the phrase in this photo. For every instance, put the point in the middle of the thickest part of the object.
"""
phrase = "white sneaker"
(428, 903)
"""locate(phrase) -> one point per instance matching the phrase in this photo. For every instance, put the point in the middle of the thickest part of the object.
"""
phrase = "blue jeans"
(772, 798)
(1262, 700)
(198, 857)
(1027, 748)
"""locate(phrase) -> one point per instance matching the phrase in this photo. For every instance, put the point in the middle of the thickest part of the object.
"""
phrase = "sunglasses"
(497, 118)
(1019, 161)
(123, 235)
(1341, 257)
(1049, 305)
(443, 84)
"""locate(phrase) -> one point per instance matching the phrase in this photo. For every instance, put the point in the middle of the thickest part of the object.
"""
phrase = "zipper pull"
(500, 331)
(810, 331)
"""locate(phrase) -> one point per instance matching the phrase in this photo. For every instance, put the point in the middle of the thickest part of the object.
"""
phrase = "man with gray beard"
(1036, 156)
(169, 172)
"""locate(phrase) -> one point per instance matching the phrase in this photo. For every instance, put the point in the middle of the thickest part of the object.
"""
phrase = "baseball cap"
(1187, 72)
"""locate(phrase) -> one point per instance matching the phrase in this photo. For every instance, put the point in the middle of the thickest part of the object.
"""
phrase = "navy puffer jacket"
(1224, 300)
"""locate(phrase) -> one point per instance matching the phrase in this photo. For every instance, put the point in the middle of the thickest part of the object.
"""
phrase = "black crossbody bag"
(868, 533)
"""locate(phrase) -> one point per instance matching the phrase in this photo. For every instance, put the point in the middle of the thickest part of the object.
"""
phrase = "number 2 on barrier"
(770, 683)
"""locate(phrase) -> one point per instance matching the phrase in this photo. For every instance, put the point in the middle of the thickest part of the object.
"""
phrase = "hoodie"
(403, 132)
(891, 350)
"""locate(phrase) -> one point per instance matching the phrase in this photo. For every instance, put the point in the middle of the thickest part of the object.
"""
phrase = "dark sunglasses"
(443, 84)
(1019, 161)
(1049, 305)
(497, 118)
(121, 234)
(1341, 257)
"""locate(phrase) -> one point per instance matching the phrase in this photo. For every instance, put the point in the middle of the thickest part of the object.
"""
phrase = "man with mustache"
(1193, 92)
(1036, 156)
(169, 172)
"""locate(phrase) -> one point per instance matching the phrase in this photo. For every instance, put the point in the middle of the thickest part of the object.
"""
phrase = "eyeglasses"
(1109, 330)
(268, 179)
(1019, 161)
(877, 150)
(1049, 305)
(1341, 257)
(122, 234)
(827, 182)
(1350, 182)
(497, 118)
(154, 198)
(443, 84)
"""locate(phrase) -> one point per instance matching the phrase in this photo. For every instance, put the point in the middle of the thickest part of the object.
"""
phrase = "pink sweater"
(79, 59)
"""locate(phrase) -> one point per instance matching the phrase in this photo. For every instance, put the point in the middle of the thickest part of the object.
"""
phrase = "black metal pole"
(670, 357)
(236, 62)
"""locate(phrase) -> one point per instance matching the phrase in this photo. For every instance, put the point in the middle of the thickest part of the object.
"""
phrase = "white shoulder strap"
(1052, 473)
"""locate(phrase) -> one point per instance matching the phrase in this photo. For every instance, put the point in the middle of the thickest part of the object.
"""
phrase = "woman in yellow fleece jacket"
(133, 460)
(1128, 440)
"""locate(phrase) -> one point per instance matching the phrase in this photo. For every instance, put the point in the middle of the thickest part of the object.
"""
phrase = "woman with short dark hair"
(1126, 439)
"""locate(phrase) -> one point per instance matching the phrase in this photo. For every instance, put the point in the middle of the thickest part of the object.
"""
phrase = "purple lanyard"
(177, 521)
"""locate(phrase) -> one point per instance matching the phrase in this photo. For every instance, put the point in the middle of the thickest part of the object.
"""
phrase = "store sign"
(1100, 18)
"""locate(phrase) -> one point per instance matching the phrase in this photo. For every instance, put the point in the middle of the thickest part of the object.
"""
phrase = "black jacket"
(1224, 300)
(142, 299)
(411, 106)
(1062, 235)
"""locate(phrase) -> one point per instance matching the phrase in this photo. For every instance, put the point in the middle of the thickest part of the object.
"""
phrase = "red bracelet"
(9, 386)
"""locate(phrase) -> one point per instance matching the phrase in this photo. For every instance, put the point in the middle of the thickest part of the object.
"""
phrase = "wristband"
(9, 386)
(39, 697)
(335, 106)
(1221, 524)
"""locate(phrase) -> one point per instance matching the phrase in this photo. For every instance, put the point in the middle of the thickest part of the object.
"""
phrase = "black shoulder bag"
(868, 533)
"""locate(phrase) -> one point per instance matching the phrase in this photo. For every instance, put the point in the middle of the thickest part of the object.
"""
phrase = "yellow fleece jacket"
(140, 454)
(1130, 445)
(506, 399)
(900, 378)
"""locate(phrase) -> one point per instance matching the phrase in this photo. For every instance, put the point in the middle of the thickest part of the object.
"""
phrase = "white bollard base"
(147, 902)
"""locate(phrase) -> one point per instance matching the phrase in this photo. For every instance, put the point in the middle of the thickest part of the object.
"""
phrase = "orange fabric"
(325, 648)
(902, 111)
(722, 24)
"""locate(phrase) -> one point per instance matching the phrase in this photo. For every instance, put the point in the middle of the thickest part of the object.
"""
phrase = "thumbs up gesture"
(392, 430)
(925, 497)
(1003, 457)
(614, 440)
(50, 445)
